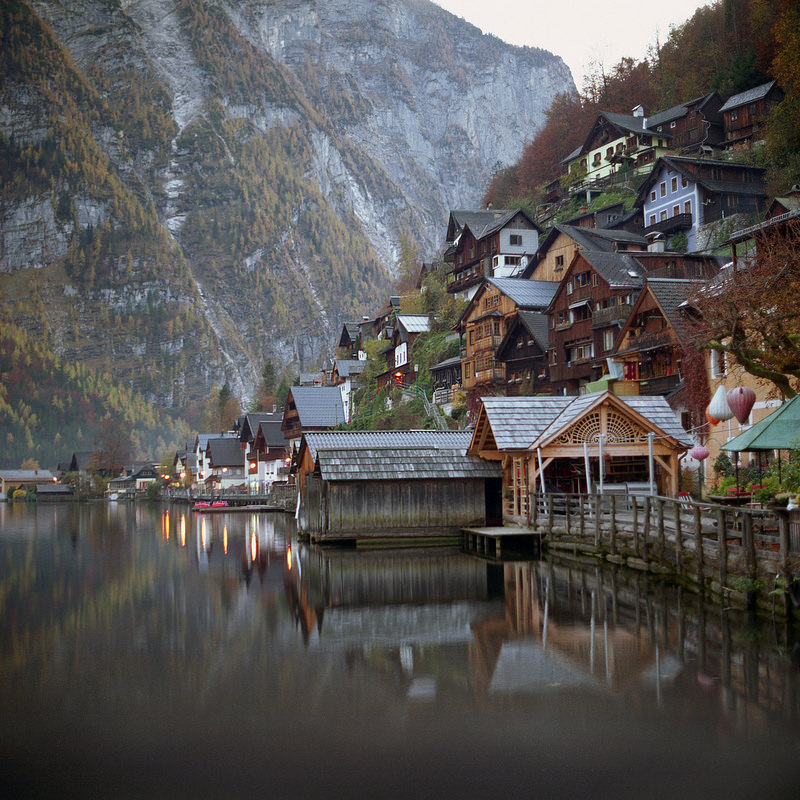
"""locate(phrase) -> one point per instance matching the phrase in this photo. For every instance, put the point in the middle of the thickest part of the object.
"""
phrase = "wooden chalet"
(693, 125)
(487, 243)
(349, 341)
(523, 351)
(393, 485)
(558, 248)
(745, 112)
(379, 326)
(225, 462)
(484, 324)
(611, 217)
(593, 299)
(24, 479)
(650, 345)
(550, 441)
(446, 377)
(267, 454)
(682, 195)
(399, 368)
(311, 408)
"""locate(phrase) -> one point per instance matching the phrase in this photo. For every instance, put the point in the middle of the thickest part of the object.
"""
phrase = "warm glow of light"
(203, 537)
(224, 469)
(55, 480)
(252, 465)
(289, 557)
(183, 531)
(253, 546)
(225, 540)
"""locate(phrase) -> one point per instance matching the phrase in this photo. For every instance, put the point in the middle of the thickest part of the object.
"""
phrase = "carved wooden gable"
(618, 429)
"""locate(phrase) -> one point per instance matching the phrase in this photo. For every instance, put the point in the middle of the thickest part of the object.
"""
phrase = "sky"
(582, 32)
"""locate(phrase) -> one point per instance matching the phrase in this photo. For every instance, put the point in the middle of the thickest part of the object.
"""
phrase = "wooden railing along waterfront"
(730, 551)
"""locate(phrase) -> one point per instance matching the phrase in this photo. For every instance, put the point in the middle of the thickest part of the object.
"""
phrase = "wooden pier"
(502, 542)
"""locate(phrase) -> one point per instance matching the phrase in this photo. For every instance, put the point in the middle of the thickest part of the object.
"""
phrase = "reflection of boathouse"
(357, 485)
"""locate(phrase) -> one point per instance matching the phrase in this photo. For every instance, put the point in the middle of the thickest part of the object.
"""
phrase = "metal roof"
(364, 440)
(779, 431)
(525, 293)
(225, 452)
(618, 270)
(389, 464)
(318, 407)
(349, 367)
(414, 323)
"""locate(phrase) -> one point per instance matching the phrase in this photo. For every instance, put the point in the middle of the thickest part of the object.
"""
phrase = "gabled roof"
(202, 439)
(534, 322)
(670, 294)
(414, 323)
(30, 475)
(225, 452)
(318, 407)
(348, 367)
(749, 96)
(623, 124)
(483, 222)
(679, 111)
(351, 440)
(618, 270)
(525, 293)
(404, 463)
(251, 421)
(779, 431)
(272, 432)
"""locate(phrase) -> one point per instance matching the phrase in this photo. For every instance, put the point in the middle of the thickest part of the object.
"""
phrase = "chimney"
(656, 243)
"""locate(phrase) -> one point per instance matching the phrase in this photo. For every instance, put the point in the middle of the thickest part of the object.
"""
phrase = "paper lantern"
(699, 452)
(711, 419)
(718, 408)
(741, 401)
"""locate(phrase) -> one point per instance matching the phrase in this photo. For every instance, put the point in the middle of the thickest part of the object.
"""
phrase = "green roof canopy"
(779, 431)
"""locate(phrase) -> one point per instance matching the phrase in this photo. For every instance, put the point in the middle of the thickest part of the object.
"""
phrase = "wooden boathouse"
(376, 487)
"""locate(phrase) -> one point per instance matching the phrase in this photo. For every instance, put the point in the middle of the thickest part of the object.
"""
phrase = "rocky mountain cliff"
(193, 187)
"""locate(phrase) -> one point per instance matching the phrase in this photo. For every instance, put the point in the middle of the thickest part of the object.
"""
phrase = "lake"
(150, 651)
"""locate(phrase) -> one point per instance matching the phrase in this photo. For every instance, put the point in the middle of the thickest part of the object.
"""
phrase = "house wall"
(377, 509)
(671, 195)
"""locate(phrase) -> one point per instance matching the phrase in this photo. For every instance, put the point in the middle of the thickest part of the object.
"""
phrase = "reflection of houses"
(309, 408)
(485, 244)
(399, 368)
(368, 484)
(485, 321)
(681, 195)
(529, 434)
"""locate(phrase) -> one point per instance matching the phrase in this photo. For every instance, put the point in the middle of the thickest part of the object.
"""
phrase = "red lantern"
(711, 419)
(699, 452)
(741, 400)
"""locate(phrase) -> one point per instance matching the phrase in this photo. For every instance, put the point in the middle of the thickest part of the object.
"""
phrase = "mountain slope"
(192, 187)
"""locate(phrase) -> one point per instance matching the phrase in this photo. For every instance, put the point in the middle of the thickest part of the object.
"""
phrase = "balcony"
(650, 341)
(680, 222)
(490, 375)
(603, 317)
(662, 385)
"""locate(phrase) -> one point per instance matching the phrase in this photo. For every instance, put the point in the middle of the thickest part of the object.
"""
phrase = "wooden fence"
(732, 551)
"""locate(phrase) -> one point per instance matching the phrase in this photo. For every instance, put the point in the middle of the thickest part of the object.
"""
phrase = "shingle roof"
(349, 367)
(676, 112)
(225, 452)
(318, 407)
(526, 294)
(273, 434)
(364, 440)
(537, 325)
(26, 474)
(671, 293)
(749, 96)
(619, 270)
(203, 438)
(415, 463)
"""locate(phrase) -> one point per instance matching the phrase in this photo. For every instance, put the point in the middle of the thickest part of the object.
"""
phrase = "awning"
(779, 431)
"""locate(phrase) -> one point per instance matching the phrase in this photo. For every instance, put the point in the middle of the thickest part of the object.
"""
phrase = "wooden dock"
(502, 543)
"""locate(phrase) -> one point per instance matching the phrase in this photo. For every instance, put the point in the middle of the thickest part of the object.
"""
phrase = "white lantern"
(718, 407)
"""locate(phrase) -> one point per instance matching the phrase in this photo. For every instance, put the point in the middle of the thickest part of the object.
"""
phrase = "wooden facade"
(523, 350)
(692, 125)
(745, 112)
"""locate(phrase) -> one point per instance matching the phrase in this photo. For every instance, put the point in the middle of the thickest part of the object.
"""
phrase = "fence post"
(646, 531)
(637, 550)
(698, 537)
(581, 509)
(613, 501)
(550, 515)
(660, 522)
(676, 509)
(748, 543)
(722, 535)
(597, 513)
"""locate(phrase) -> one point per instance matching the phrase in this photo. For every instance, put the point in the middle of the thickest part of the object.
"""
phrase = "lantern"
(741, 401)
(711, 419)
(699, 452)
(718, 408)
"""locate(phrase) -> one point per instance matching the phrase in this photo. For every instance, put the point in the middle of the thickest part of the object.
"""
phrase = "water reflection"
(143, 630)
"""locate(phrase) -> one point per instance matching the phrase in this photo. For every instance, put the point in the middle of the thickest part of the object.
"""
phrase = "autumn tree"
(751, 311)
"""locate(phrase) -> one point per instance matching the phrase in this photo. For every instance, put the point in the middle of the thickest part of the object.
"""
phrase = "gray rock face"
(399, 112)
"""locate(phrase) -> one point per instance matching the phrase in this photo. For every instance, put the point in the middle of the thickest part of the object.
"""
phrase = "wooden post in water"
(582, 523)
(597, 512)
(748, 543)
(637, 551)
(698, 538)
(722, 535)
(550, 514)
(613, 500)
(676, 510)
(785, 542)
(660, 521)
(646, 531)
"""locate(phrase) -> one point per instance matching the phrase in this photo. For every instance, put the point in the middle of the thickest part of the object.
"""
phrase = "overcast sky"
(580, 31)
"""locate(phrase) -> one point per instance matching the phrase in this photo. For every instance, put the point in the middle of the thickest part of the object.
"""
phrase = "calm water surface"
(153, 652)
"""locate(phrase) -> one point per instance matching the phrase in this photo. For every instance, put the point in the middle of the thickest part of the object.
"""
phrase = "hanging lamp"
(718, 408)
(741, 401)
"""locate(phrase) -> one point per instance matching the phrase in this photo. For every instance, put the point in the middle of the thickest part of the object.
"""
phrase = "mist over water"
(153, 652)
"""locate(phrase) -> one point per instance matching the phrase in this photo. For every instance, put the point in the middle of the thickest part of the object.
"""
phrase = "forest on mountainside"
(728, 46)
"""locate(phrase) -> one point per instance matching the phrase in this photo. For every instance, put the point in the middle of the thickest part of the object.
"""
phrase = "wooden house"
(379, 485)
(266, 453)
(683, 195)
(485, 244)
(557, 249)
(693, 125)
(523, 351)
(550, 442)
(650, 345)
(593, 299)
(399, 367)
(24, 479)
(744, 114)
(311, 408)
(349, 341)
(225, 463)
(484, 324)
(446, 377)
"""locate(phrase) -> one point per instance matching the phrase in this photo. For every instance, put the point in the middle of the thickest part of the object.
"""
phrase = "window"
(687, 207)
(719, 366)
(676, 210)
(467, 369)
(672, 124)
(684, 181)
(734, 115)
(653, 195)
(553, 357)
(662, 188)
(516, 240)
(559, 262)
(652, 219)
(663, 215)
(674, 185)
(569, 287)
(608, 339)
